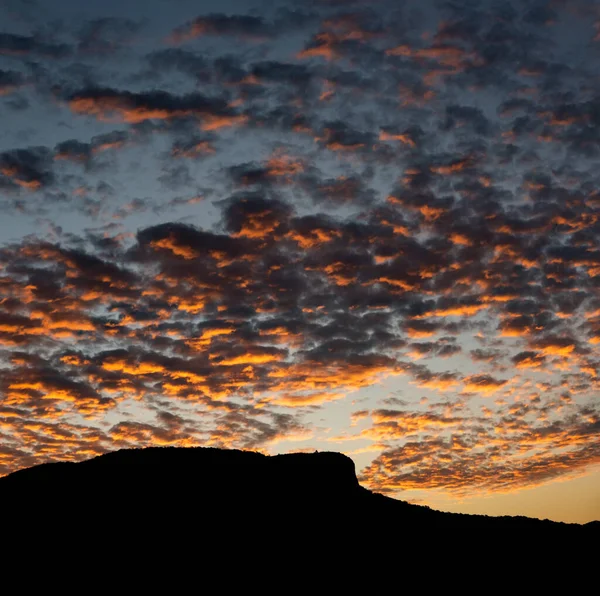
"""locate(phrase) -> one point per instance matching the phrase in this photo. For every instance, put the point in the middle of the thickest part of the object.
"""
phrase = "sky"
(367, 227)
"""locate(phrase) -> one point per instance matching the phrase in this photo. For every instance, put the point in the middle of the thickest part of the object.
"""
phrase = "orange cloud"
(207, 336)
(455, 311)
(313, 237)
(18, 178)
(258, 225)
(285, 166)
(484, 384)
(530, 360)
(111, 108)
(297, 378)
(557, 346)
(437, 383)
(457, 166)
(171, 244)
(251, 358)
(299, 400)
(135, 108)
(141, 368)
(404, 138)
(325, 46)
(211, 122)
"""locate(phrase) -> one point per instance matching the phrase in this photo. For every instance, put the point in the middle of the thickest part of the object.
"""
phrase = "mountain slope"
(242, 489)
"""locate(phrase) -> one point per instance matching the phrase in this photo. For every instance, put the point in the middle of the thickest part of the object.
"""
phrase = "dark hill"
(197, 486)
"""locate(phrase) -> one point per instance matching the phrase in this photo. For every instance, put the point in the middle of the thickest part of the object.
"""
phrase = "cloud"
(106, 35)
(245, 27)
(24, 45)
(10, 81)
(357, 194)
(446, 464)
(251, 216)
(529, 360)
(339, 136)
(242, 26)
(83, 152)
(29, 169)
(124, 106)
(484, 384)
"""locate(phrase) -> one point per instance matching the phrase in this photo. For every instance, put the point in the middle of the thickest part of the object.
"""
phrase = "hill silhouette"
(243, 490)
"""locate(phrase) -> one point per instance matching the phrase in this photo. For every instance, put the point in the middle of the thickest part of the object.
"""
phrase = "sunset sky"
(360, 226)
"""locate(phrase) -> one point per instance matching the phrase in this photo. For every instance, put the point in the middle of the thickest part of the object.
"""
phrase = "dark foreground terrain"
(171, 520)
(207, 488)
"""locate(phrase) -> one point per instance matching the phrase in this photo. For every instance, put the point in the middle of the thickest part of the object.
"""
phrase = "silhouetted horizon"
(222, 477)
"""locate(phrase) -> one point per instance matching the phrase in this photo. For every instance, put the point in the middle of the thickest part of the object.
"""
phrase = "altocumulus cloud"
(285, 209)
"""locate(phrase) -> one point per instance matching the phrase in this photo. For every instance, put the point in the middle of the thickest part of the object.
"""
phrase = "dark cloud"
(106, 35)
(10, 80)
(243, 26)
(23, 45)
(192, 63)
(176, 241)
(134, 108)
(253, 216)
(282, 72)
(465, 116)
(74, 150)
(27, 168)
(339, 136)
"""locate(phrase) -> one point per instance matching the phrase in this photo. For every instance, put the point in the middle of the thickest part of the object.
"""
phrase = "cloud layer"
(285, 213)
